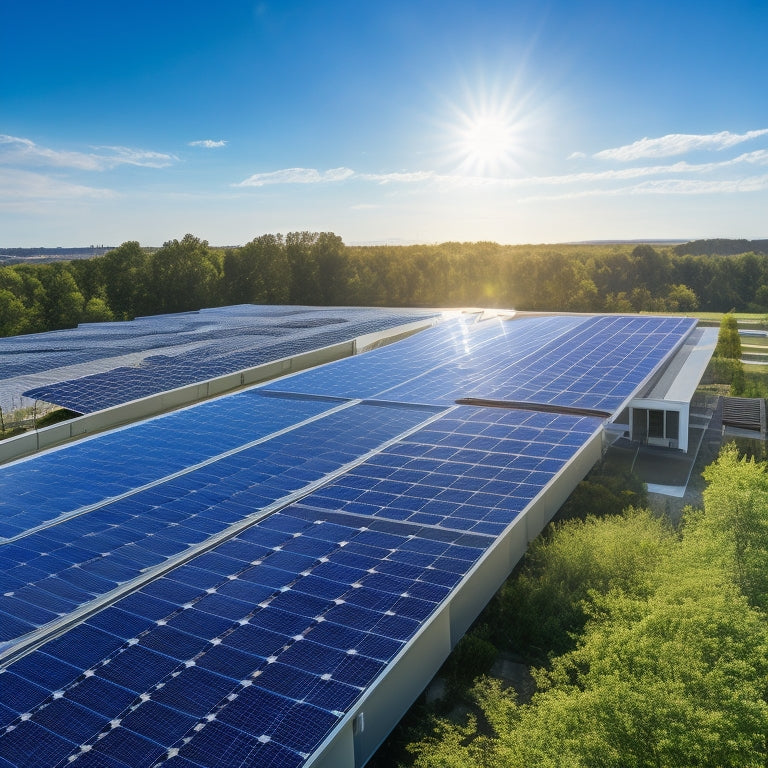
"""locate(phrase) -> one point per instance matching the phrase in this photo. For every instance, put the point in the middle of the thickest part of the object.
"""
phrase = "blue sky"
(399, 121)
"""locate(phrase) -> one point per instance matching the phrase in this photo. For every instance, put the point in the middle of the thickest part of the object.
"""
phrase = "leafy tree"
(734, 526)
(728, 341)
(124, 269)
(304, 272)
(89, 277)
(681, 298)
(184, 276)
(96, 310)
(63, 303)
(330, 256)
(651, 269)
(619, 303)
(12, 314)
(544, 606)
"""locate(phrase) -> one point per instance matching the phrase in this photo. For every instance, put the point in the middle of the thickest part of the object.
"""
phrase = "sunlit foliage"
(668, 653)
(317, 268)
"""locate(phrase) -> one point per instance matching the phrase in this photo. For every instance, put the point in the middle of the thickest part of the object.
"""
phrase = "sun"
(486, 142)
(488, 129)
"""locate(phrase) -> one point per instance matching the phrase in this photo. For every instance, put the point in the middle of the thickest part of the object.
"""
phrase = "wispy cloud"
(315, 176)
(401, 177)
(661, 187)
(297, 176)
(24, 152)
(677, 144)
(16, 185)
(208, 143)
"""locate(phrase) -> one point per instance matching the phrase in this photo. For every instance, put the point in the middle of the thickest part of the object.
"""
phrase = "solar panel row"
(589, 362)
(206, 348)
(284, 625)
(50, 570)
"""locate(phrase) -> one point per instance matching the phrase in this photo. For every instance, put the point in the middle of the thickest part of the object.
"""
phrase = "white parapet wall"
(119, 415)
(126, 413)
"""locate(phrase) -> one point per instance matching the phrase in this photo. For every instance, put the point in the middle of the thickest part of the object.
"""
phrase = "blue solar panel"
(597, 363)
(288, 656)
(459, 472)
(32, 492)
(198, 346)
(415, 362)
(109, 546)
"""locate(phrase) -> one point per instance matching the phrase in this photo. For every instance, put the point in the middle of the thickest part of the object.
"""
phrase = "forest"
(319, 269)
(649, 644)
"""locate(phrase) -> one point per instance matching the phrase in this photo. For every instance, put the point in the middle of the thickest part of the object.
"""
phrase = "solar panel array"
(98, 365)
(220, 585)
(588, 362)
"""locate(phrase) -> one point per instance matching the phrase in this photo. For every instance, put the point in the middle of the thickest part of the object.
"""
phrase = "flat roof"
(229, 583)
(680, 379)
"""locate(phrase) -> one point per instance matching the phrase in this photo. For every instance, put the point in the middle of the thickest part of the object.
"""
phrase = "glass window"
(656, 424)
(673, 425)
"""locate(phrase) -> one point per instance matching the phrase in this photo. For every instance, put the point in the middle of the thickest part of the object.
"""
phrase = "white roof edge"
(692, 360)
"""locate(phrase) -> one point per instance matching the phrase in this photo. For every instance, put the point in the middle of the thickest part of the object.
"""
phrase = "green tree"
(681, 298)
(304, 270)
(12, 314)
(734, 526)
(728, 340)
(545, 605)
(123, 269)
(333, 273)
(63, 303)
(96, 310)
(184, 276)
(258, 272)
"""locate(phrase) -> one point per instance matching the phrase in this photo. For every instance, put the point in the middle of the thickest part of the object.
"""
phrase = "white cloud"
(651, 179)
(25, 185)
(297, 176)
(576, 156)
(400, 177)
(19, 151)
(677, 144)
(663, 187)
(141, 157)
(208, 143)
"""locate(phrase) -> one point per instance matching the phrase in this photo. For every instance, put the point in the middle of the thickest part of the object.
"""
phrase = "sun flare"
(490, 128)
(486, 142)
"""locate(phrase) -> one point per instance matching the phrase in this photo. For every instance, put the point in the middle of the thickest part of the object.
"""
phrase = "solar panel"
(101, 549)
(32, 491)
(286, 665)
(423, 363)
(598, 363)
(473, 469)
(106, 364)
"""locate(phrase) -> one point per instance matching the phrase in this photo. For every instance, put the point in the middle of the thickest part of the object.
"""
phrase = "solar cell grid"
(256, 649)
(204, 349)
(415, 369)
(569, 367)
(112, 545)
(471, 485)
(278, 646)
(32, 492)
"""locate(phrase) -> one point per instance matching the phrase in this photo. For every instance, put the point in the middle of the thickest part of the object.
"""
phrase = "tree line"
(319, 269)
(651, 641)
